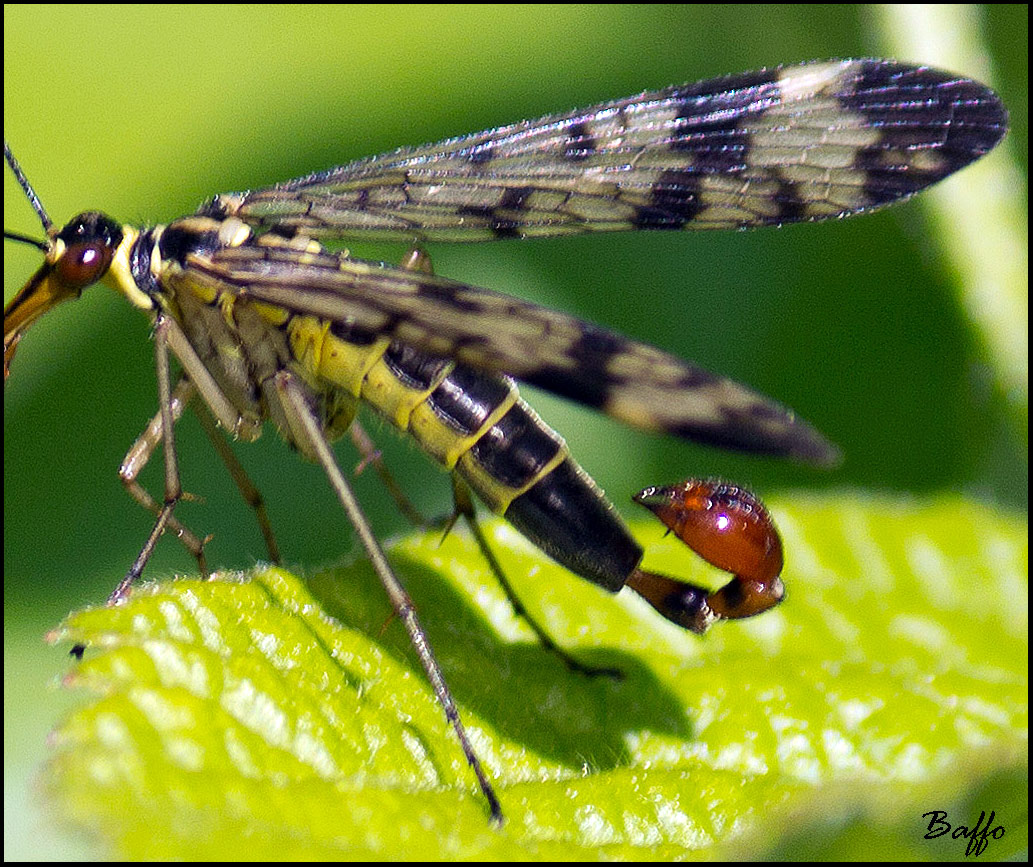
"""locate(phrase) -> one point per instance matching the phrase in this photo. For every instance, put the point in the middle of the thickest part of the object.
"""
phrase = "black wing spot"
(791, 207)
(674, 201)
(587, 378)
(445, 296)
(514, 199)
(580, 144)
(916, 110)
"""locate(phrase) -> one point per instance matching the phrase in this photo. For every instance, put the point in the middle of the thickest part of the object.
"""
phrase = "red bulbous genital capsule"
(726, 525)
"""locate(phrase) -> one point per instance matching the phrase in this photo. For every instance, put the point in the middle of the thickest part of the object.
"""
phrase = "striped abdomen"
(476, 424)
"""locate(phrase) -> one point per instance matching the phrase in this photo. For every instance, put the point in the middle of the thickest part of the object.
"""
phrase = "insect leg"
(222, 410)
(306, 433)
(371, 456)
(173, 490)
(139, 455)
(464, 506)
(248, 492)
(218, 411)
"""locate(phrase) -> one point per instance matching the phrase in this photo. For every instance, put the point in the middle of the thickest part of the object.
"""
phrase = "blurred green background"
(144, 112)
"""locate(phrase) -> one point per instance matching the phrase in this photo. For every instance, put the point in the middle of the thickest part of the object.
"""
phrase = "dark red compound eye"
(83, 263)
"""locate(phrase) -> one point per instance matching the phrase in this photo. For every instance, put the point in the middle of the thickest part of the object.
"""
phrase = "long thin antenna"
(30, 194)
(25, 239)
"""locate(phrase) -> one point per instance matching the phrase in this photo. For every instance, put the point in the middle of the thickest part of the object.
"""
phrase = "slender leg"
(138, 457)
(225, 413)
(306, 432)
(173, 490)
(371, 456)
(196, 378)
(248, 492)
(142, 450)
(465, 507)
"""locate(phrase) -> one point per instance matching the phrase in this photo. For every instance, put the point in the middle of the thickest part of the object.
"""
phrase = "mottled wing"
(638, 384)
(804, 142)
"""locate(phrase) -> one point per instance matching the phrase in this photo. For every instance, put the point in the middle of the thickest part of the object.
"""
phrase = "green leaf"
(260, 716)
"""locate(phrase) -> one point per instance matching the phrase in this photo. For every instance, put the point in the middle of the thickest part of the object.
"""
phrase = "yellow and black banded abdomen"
(475, 424)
